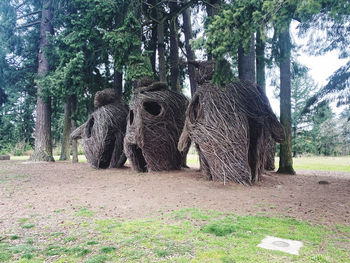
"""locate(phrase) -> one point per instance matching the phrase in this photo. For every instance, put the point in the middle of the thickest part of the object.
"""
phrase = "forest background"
(55, 55)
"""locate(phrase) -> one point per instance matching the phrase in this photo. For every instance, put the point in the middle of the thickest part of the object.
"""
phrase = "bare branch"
(178, 11)
(29, 14)
(20, 5)
(28, 25)
(173, 14)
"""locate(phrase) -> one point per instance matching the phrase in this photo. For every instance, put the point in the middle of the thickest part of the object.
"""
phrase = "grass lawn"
(189, 235)
(318, 163)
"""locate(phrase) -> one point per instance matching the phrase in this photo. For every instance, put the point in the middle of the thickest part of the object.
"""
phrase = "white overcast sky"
(321, 67)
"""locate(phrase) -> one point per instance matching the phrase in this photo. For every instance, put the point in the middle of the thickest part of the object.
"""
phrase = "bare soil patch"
(43, 188)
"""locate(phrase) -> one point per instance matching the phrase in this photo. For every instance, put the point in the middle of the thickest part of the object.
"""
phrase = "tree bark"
(75, 158)
(174, 50)
(270, 144)
(152, 47)
(74, 102)
(190, 54)
(118, 82)
(161, 48)
(286, 160)
(212, 10)
(67, 128)
(256, 154)
(260, 61)
(294, 136)
(246, 71)
(246, 62)
(270, 151)
(43, 143)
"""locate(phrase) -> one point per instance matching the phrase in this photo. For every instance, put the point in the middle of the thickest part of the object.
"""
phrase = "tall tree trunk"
(212, 8)
(190, 55)
(152, 47)
(43, 143)
(246, 62)
(246, 72)
(67, 128)
(270, 151)
(74, 102)
(174, 50)
(260, 61)
(270, 145)
(286, 160)
(294, 136)
(118, 82)
(161, 48)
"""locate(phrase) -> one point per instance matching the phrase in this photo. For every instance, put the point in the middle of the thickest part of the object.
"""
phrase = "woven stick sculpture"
(104, 131)
(154, 126)
(230, 128)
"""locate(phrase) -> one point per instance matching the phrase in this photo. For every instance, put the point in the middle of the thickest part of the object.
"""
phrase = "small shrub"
(92, 242)
(28, 256)
(220, 227)
(97, 259)
(83, 252)
(108, 249)
(56, 234)
(161, 253)
(24, 248)
(54, 250)
(4, 256)
(22, 220)
(28, 226)
(227, 259)
(85, 212)
(30, 241)
(80, 251)
(69, 239)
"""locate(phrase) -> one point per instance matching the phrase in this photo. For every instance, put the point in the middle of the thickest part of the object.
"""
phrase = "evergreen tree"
(302, 88)
(345, 131)
(324, 131)
(328, 30)
(174, 49)
(19, 37)
(187, 28)
(280, 15)
(43, 140)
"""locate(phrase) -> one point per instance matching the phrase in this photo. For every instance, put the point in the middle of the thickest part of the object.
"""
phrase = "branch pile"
(104, 131)
(156, 119)
(230, 128)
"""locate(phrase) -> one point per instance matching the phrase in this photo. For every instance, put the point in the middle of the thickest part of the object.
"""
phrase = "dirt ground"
(43, 188)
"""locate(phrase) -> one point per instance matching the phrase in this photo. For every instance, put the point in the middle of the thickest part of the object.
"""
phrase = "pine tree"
(187, 26)
(43, 141)
(19, 37)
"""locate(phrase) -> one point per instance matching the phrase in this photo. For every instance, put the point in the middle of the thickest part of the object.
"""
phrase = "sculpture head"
(154, 125)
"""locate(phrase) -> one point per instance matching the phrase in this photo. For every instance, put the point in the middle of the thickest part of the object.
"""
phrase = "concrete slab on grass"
(281, 244)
